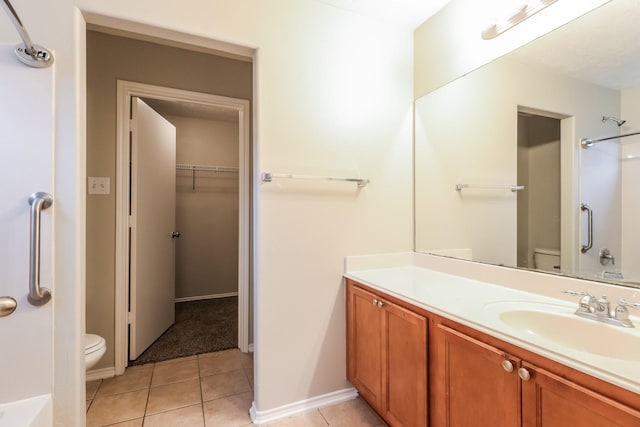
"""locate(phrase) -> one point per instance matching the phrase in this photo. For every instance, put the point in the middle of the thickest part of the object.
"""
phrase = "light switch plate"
(99, 185)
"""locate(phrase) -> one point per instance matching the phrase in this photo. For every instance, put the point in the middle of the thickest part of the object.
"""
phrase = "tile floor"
(212, 390)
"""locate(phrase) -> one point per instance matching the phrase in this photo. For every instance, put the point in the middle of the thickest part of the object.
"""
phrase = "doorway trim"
(125, 91)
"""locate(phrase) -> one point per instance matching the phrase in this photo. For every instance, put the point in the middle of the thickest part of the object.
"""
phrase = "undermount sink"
(557, 324)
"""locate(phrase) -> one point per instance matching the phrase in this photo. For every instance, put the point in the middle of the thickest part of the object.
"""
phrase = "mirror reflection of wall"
(471, 131)
(539, 203)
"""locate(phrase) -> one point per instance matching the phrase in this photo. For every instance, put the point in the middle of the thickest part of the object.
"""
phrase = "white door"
(153, 195)
(26, 147)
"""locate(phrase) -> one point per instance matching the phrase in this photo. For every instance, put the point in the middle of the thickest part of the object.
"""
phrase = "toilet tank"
(546, 259)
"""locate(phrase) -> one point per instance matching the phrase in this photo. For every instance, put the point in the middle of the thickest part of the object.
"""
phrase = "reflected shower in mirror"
(501, 173)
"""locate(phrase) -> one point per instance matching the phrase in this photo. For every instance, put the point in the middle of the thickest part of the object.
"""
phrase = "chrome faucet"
(599, 309)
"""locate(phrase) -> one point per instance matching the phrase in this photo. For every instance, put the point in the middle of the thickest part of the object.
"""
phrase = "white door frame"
(126, 90)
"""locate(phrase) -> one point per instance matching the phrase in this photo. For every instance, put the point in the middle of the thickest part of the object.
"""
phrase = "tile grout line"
(146, 404)
(204, 419)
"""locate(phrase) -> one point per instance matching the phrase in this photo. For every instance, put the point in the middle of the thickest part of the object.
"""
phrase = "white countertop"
(477, 304)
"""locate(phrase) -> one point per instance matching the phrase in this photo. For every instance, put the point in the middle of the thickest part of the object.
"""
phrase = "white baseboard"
(101, 374)
(203, 297)
(261, 417)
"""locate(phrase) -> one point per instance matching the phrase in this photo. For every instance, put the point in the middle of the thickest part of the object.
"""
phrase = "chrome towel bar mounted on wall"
(269, 176)
(28, 53)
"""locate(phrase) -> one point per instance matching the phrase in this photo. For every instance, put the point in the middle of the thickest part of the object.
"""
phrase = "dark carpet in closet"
(201, 327)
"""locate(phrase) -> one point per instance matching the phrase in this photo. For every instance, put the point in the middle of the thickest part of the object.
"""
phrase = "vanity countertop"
(476, 303)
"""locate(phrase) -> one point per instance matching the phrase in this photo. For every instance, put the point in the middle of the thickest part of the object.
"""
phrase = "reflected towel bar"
(268, 177)
(513, 188)
(588, 142)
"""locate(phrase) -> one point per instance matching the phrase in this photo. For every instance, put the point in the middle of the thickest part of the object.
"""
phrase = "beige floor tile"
(92, 387)
(308, 419)
(174, 372)
(232, 411)
(247, 360)
(172, 396)
(132, 423)
(352, 413)
(191, 416)
(249, 373)
(179, 359)
(217, 363)
(134, 378)
(226, 384)
(118, 408)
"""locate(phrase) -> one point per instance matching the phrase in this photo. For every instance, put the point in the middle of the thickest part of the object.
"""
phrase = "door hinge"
(132, 125)
(130, 318)
(130, 221)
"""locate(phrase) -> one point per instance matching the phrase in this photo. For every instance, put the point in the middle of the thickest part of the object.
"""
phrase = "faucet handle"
(624, 303)
(622, 314)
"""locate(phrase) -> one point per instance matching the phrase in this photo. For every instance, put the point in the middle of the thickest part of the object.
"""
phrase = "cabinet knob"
(375, 301)
(380, 304)
(507, 365)
(524, 374)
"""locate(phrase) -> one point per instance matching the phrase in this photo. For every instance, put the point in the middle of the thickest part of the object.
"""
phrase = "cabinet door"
(364, 348)
(404, 394)
(552, 401)
(472, 388)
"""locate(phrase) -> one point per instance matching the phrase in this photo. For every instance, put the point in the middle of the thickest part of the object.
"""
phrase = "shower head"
(613, 119)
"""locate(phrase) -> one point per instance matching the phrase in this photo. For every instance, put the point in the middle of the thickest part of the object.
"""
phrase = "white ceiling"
(406, 13)
(192, 110)
(600, 47)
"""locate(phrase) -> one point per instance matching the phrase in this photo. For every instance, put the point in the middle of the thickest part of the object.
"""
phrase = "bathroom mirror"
(500, 174)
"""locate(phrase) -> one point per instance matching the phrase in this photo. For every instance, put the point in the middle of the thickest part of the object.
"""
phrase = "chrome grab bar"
(7, 306)
(37, 295)
(589, 245)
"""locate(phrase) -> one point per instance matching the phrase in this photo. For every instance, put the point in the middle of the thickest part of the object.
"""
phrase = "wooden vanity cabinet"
(473, 384)
(476, 383)
(548, 400)
(387, 356)
(474, 379)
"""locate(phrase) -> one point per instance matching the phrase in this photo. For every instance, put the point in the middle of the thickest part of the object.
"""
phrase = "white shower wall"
(630, 109)
(207, 216)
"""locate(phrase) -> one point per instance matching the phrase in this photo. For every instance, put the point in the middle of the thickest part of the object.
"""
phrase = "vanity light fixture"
(528, 9)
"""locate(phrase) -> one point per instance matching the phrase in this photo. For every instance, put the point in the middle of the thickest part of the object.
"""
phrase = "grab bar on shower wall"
(37, 295)
(589, 245)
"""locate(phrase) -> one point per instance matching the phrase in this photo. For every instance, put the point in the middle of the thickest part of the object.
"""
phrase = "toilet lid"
(92, 342)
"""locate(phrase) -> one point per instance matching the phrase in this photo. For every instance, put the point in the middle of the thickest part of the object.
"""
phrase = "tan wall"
(207, 216)
(539, 212)
(110, 58)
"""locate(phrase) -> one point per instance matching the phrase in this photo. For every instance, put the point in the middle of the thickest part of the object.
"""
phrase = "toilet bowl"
(546, 259)
(94, 348)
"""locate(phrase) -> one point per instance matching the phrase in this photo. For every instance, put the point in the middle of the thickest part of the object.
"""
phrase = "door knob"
(175, 234)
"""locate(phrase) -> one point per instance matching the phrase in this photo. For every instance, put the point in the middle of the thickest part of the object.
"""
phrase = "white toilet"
(546, 259)
(94, 348)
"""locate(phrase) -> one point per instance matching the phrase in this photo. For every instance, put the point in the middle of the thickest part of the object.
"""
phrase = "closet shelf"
(205, 168)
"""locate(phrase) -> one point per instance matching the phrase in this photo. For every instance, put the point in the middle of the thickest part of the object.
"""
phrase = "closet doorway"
(202, 176)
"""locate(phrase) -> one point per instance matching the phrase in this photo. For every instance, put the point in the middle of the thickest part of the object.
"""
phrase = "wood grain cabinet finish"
(548, 400)
(473, 384)
(387, 357)
(475, 380)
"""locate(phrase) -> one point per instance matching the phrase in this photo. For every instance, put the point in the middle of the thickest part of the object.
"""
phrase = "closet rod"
(205, 168)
